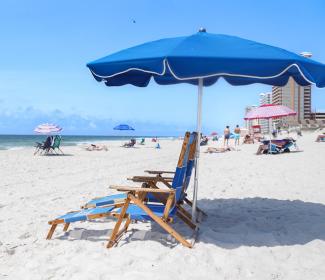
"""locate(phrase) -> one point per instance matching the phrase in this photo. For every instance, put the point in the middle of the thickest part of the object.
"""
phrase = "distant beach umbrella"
(214, 133)
(269, 111)
(47, 128)
(201, 59)
(123, 127)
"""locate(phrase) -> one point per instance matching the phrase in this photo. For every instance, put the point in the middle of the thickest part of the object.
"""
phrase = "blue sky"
(45, 46)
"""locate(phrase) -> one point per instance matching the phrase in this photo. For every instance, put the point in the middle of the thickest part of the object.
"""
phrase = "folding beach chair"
(136, 208)
(45, 147)
(56, 144)
(152, 182)
(111, 203)
(130, 144)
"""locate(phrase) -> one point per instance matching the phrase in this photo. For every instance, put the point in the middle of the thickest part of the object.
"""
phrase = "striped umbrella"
(269, 111)
(47, 128)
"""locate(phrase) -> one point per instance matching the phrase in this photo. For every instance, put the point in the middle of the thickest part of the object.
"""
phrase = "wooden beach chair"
(109, 204)
(152, 182)
(136, 208)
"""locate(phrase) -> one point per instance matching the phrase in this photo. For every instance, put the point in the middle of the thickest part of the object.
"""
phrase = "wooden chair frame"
(56, 222)
(134, 195)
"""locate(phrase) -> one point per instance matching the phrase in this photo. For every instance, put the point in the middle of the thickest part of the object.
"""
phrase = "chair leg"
(115, 231)
(66, 226)
(51, 231)
(197, 208)
(162, 223)
(123, 230)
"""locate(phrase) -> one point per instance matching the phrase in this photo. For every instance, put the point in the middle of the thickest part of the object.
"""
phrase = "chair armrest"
(132, 189)
(150, 178)
(159, 172)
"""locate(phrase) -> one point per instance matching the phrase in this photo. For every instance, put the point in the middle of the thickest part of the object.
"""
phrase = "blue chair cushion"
(110, 199)
(136, 213)
(83, 215)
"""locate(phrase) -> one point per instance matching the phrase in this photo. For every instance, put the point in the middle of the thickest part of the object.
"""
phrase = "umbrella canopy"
(269, 111)
(47, 128)
(207, 56)
(214, 133)
(123, 127)
(201, 59)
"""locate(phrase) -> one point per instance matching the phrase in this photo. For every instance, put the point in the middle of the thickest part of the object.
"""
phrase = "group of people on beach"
(227, 134)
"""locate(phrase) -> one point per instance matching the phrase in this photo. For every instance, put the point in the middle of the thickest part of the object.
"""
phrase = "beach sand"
(266, 215)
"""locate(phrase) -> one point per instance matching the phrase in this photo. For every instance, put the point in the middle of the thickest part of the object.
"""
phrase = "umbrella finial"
(202, 29)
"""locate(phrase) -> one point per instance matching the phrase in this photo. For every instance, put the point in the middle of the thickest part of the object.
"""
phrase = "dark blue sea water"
(18, 141)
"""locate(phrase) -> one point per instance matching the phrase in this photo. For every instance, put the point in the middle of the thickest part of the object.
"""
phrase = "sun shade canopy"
(207, 56)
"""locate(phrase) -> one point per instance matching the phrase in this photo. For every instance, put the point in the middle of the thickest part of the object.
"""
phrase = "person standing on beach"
(237, 134)
(226, 137)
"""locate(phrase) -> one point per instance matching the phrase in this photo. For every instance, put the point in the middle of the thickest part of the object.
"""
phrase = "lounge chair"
(110, 203)
(130, 144)
(320, 138)
(136, 208)
(204, 141)
(44, 148)
(56, 144)
(277, 146)
(160, 177)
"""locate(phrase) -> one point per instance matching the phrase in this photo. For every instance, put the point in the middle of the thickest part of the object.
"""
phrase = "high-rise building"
(265, 98)
(250, 123)
(294, 96)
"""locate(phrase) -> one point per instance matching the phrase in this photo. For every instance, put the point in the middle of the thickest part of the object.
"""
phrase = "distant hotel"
(292, 95)
(265, 98)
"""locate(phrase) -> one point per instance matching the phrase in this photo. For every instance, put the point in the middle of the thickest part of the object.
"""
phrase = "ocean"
(19, 141)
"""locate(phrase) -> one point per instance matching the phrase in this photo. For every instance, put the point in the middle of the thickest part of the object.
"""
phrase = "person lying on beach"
(96, 147)
(211, 150)
(248, 139)
(320, 138)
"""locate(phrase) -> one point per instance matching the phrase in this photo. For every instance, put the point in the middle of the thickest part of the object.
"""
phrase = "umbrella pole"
(197, 155)
(270, 135)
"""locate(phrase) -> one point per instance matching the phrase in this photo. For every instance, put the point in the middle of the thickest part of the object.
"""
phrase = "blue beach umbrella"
(201, 59)
(123, 127)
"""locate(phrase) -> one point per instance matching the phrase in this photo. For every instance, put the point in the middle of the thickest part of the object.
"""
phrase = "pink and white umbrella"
(269, 111)
(47, 128)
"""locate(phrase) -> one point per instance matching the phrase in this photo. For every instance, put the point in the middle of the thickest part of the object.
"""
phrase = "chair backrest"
(190, 164)
(47, 143)
(184, 167)
(182, 163)
(57, 141)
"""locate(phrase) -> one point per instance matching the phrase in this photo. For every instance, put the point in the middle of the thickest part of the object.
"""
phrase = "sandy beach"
(265, 215)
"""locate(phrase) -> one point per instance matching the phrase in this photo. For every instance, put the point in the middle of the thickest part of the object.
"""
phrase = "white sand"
(266, 216)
